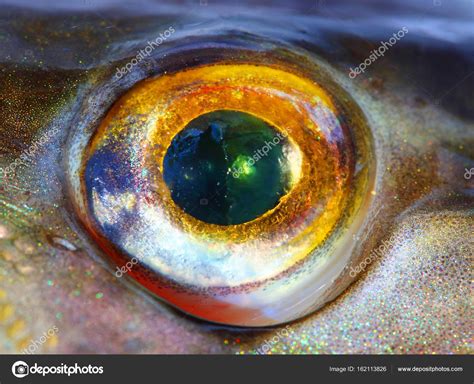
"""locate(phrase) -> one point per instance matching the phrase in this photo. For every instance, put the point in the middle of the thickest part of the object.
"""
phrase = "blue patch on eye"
(104, 171)
(108, 178)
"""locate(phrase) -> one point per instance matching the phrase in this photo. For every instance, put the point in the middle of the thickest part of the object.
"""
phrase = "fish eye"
(232, 178)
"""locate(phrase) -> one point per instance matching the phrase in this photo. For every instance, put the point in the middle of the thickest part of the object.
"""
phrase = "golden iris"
(171, 137)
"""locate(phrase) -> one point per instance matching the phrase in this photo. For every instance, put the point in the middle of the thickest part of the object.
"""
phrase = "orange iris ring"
(211, 303)
(309, 212)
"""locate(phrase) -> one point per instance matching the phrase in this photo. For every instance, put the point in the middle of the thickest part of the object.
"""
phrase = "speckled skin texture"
(414, 297)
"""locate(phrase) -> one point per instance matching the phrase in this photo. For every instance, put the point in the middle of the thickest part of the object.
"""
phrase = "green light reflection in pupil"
(227, 167)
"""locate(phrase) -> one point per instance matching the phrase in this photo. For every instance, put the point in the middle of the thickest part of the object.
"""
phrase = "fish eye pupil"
(228, 167)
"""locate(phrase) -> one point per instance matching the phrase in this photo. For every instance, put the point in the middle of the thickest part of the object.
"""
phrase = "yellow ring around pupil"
(155, 110)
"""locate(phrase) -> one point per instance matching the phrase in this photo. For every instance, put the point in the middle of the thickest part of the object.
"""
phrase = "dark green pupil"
(227, 167)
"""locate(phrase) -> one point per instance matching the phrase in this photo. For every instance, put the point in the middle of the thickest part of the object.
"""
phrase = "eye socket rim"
(367, 168)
